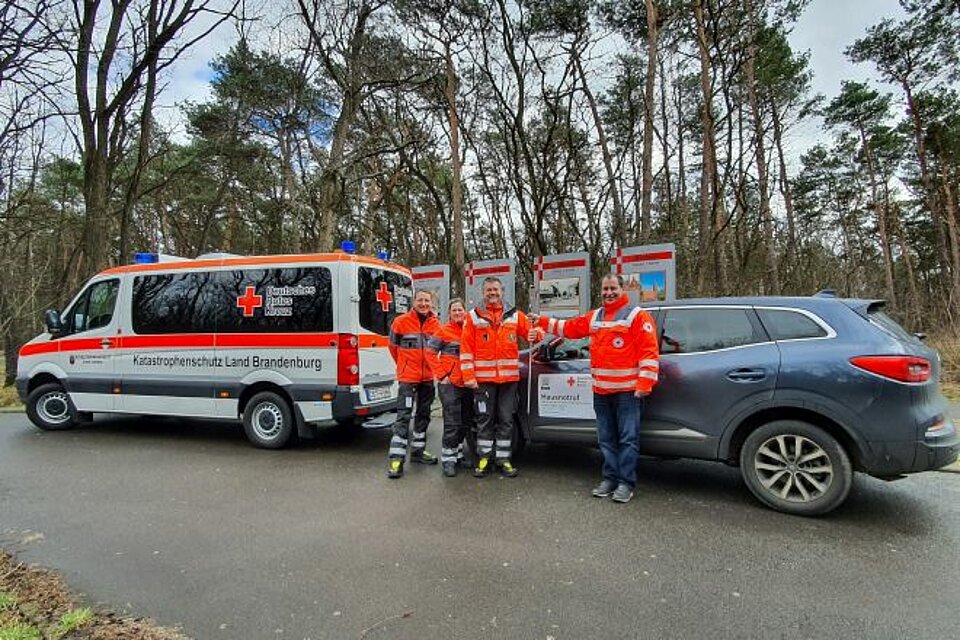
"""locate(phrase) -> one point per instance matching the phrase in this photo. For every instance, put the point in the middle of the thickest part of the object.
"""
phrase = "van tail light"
(348, 359)
(900, 368)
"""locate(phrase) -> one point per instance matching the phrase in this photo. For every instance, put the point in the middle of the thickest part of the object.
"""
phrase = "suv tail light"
(900, 368)
(348, 359)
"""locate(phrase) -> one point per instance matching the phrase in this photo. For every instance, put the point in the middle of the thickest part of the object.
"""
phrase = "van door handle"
(746, 375)
(106, 343)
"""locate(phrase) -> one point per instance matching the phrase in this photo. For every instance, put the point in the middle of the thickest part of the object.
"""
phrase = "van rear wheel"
(796, 467)
(268, 420)
(49, 408)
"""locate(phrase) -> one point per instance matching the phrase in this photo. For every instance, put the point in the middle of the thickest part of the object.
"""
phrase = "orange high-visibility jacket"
(624, 354)
(408, 346)
(488, 346)
(444, 353)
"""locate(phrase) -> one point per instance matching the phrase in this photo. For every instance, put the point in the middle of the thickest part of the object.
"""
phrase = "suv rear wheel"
(796, 467)
(49, 407)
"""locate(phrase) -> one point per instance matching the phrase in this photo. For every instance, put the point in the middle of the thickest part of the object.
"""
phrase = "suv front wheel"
(796, 467)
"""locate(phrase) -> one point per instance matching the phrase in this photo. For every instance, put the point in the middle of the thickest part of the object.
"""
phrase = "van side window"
(698, 330)
(289, 300)
(789, 325)
(94, 308)
(383, 296)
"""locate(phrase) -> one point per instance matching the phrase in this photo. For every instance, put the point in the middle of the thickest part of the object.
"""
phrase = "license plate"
(375, 394)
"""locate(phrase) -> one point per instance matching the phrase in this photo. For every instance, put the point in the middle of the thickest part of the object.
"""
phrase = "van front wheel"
(49, 408)
(268, 421)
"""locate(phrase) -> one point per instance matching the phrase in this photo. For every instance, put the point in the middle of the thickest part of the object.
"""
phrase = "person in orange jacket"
(456, 400)
(409, 334)
(490, 362)
(625, 364)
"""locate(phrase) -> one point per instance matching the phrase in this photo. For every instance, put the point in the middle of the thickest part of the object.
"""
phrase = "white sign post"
(562, 284)
(475, 272)
(649, 271)
(434, 278)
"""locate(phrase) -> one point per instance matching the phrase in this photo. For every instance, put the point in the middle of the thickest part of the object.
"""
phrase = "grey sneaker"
(622, 494)
(603, 489)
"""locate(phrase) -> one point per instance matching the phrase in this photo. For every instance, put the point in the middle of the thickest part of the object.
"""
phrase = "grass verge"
(35, 604)
(8, 398)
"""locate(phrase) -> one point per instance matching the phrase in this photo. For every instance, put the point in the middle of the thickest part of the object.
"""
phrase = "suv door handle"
(746, 375)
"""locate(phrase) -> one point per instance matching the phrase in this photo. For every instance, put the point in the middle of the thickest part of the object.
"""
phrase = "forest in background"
(448, 131)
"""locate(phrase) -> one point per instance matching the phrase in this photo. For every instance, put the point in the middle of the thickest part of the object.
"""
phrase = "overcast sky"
(826, 28)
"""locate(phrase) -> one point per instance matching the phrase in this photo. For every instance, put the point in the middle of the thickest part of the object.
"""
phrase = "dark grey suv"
(799, 392)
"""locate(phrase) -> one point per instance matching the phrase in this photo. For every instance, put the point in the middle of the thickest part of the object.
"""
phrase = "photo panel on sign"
(562, 286)
(648, 271)
(474, 274)
(435, 279)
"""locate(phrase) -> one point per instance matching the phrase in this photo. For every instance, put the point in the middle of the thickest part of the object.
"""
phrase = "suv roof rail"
(826, 293)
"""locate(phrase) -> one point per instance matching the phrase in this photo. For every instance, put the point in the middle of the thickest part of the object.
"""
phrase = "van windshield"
(384, 295)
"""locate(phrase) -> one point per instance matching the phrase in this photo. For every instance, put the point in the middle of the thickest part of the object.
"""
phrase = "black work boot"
(483, 468)
(449, 469)
(423, 457)
(395, 468)
(507, 470)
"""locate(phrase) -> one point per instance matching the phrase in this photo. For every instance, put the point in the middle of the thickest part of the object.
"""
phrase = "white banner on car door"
(566, 395)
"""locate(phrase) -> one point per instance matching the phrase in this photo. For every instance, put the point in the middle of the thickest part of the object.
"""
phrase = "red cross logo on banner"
(538, 268)
(469, 273)
(249, 301)
(618, 262)
(384, 297)
(570, 381)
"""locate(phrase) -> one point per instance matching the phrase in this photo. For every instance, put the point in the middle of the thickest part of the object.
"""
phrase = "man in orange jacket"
(409, 334)
(625, 363)
(490, 363)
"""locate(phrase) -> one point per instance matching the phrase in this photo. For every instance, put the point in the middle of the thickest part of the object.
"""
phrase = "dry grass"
(8, 395)
(35, 603)
(948, 344)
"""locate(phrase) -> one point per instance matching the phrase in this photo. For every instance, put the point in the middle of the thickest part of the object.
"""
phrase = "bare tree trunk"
(785, 188)
(456, 188)
(650, 83)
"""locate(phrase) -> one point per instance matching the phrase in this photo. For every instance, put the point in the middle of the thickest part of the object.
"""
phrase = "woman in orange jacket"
(457, 400)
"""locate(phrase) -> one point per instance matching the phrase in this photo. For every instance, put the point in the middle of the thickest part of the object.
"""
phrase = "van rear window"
(287, 300)
(384, 295)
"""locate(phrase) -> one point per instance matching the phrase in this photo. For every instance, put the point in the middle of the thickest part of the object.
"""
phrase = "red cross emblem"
(249, 301)
(384, 297)
(538, 268)
(618, 262)
(468, 272)
(571, 381)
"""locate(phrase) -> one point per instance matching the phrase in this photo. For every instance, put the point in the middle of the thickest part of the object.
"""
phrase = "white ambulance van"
(282, 343)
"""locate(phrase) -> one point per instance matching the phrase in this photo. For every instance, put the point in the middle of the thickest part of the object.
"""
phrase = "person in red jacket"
(490, 362)
(409, 334)
(457, 400)
(625, 364)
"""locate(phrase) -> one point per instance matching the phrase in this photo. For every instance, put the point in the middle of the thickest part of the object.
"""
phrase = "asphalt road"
(186, 523)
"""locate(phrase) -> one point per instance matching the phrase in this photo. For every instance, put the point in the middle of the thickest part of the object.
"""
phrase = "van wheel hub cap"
(53, 407)
(793, 468)
(267, 420)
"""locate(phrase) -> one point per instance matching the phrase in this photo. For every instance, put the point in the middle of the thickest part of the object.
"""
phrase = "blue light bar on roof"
(143, 257)
(348, 246)
(384, 255)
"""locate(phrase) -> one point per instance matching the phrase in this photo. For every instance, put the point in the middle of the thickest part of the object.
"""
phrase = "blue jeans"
(618, 422)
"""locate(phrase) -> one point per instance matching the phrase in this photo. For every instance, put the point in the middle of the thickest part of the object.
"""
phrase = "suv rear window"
(384, 295)
(784, 324)
(706, 329)
(888, 324)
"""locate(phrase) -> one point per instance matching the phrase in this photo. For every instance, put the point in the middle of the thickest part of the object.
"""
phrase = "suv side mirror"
(54, 324)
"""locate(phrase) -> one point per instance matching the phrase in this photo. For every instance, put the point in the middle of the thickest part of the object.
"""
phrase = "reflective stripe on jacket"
(408, 346)
(488, 346)
(444, 353)
(624, 354)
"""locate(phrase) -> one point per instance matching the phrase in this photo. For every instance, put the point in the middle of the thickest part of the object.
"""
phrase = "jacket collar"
(611, 308)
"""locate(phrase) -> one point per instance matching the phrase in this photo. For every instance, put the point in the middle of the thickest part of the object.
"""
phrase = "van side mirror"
(54, 324)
